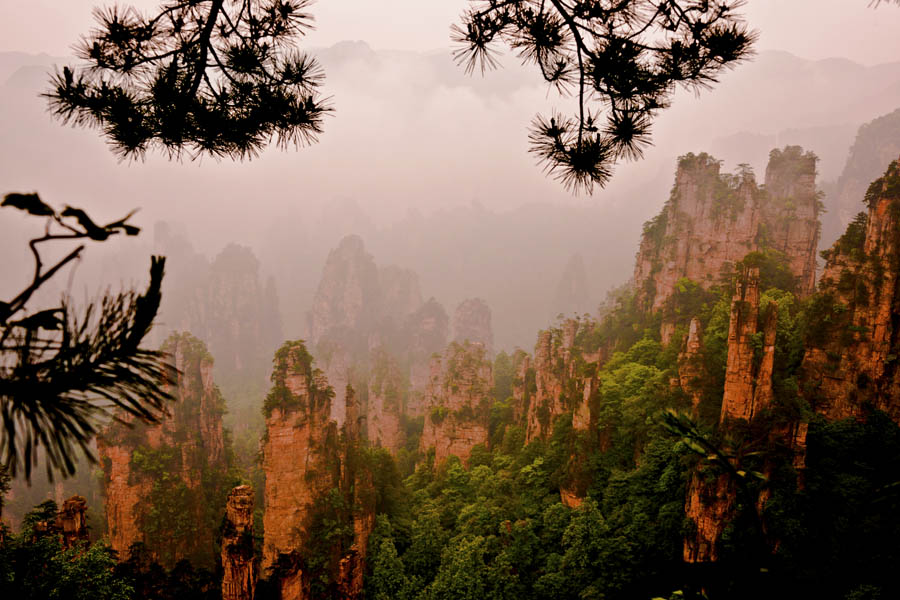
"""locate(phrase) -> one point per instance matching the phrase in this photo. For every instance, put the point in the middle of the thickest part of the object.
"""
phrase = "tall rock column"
(748, 386)
(139, 461)
(690, 368)
(240, 574)
(71, 521)
(457, 402)
(299, 453)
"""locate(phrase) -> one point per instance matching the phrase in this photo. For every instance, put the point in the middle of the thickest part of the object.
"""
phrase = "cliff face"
(315, 475)
(427, 330)
(71, 521)
(712, 221)
(559, 386)
(299, 451)
(138, 463)
(748, 385)
(850, 363)
(457, 402)
(877, 144)
(239, 568)
(689, 367)
(387, 389)
(472, 323)
(225, 304)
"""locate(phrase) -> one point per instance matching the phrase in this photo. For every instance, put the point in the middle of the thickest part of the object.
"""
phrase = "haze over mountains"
(429, 166)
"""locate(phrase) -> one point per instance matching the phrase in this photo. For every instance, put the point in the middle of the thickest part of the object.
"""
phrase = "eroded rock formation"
(690, 368)
(748, 384)
(299, 452)
(427, 330)
(850, 365)
(712, 221)
(472, 323)
(387, 390)
(314, 474)
(457, 401)
(188, 443)
(572, 295)
(559, 384)
(238, 563)
(71, 521)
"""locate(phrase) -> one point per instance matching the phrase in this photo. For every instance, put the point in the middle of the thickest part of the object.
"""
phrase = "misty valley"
(685, 384)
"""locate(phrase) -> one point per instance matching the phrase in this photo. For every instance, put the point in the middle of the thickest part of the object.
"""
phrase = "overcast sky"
(808, 28)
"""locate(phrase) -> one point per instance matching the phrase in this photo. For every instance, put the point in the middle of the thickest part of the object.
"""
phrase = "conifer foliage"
(621, 60)
(215, 77)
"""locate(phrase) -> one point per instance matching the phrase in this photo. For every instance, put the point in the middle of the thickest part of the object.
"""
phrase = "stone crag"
(712, 221)
(188, 442)
(238, 563)
(309, 461)
(850, 364)
(457, 402)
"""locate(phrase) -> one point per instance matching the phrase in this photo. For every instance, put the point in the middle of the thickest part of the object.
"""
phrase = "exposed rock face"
(299, 451)
(748, 386)
(877, 144)
(189, 443)
(850, 363)
(558, 386)
(457, 402)
(472, 323)
(789, 216)
(71, 521)
(387, 388)
(240, 574)
(427, 331)
(523, 385)
(225, 304)
(712, 221)
(349, 299)
(710, 506)
(400, 288)
(308, 460)
(359, 305)
(689, 366)
(572, 295)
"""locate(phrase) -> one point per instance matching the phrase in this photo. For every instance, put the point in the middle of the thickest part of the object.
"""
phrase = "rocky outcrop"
(315, 475)
(139, 461)
(690, 368)
(348, 303)
(426, 330)
(386, 395)
(71, 521)
(238, 563)
(559, 383)
(712, 221)
(877, 144)
(400, 288)
(710, 508)
(299, 451)
(225, 304)
(748, 383)
(457, 402)
(850, 364)
(472, 323)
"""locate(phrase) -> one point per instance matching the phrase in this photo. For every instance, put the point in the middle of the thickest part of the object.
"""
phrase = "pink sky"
(808, 28)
